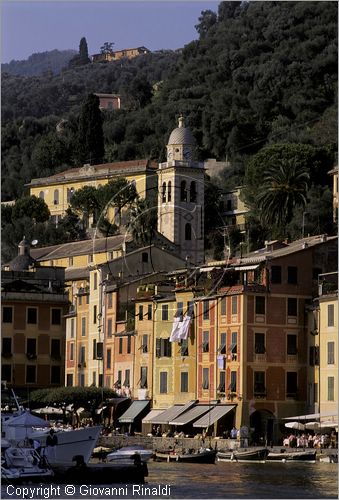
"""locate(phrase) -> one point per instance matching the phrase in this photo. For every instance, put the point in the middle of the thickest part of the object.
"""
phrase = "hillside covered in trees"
(52, 61)
(261, 74)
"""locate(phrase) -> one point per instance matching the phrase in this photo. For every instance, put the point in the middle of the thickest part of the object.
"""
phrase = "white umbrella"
(314, 426)
(49, 410)
(295, 425)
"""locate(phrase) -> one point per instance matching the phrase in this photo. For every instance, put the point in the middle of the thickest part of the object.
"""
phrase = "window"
(55, 374)
(6, 346)
(83, 326)
(144, 257)
(229, 205)
(205, 378)
(222, 347)
(94, 349)
(169, 191)
(143, 377)
(205, 341)
(193, 192)
(314, 355)
(118, 382)
(69, 380)
(81, 378)
(259, 305)
(32, 315)
(109, 300)
(70, 261)
(233, 348)
(31, 348)
(183, 191)
(291, 344)
(163, 382)
(234, 305)
(315, 392)
(141, 313)
(164, 312)
(292, 307)
(163, 348)
(120, 344)
(330, 353)
(42, 195)
(188, 232)
(55, 348)
(109, 359)
(127, 378)
(80, 300)
(184, 348)
(94, 314)
(82, 354)
(163, 197)
(7, 314)
(149, 311)
(223, 306)
(292, 275)
(95, 281)
(184, 382)
(129, 344)
(222, 382)
(144, 344)
(330, 388)
(6, 372)
(90, 258)
(330, 315)
(71, 351)
(291, 384)
(72, 328)
(87, 298)
(276, 274)
(259, 343)
(206, 309)
(56, 197)
(30, 374)
(233, 385)
(259, 383)
(109, 328)
(94, 379)
(70, 192)
(180, 309)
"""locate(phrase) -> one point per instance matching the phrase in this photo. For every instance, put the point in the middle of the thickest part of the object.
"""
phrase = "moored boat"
(293, 456)
(255, 455)
(129, 453)
(203, 456)
(24, 464)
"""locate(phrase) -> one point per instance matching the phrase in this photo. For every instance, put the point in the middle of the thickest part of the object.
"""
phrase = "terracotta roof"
(101, 170)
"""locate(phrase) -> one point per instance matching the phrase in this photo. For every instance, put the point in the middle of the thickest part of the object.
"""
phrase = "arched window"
(56, 197)
(188, 232)
(42, 195)
(164, 192)
(169, 191)
(183, 191)
(193, 192)
(70, 192)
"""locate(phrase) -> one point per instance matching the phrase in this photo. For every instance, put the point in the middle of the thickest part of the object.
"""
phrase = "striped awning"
(213, 415)
(133, 411)
(190, 415)
(245, 268)
(171, 413)
(151, 414)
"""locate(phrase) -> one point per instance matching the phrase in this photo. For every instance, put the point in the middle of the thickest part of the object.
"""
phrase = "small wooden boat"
(202, 457)
(129, 453)
(258, 456)
(293, 456)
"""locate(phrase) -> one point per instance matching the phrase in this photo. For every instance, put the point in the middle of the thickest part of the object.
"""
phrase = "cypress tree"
(83, 52)
(90, 133)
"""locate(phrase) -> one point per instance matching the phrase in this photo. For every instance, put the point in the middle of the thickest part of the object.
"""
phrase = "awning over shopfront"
(245, 268)
(190, 415)
(213, 415)
(152, 414)
(313, 416)
(133, 411)
(171, 413)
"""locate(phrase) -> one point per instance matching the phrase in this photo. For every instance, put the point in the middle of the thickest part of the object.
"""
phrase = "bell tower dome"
(181, 195)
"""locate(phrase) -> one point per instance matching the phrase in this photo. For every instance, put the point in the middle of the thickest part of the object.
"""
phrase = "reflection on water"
(232, 480)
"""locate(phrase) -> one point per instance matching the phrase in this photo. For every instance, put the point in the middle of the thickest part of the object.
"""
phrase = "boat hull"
(298, 456)
(205, 457)
(258, 456)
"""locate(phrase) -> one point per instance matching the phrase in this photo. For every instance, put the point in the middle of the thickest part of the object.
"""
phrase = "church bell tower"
(181, 195)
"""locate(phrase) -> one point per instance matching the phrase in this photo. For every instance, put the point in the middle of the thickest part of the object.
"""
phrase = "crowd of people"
(311, 440)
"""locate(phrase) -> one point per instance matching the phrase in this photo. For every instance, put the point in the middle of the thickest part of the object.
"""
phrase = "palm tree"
(284, 188)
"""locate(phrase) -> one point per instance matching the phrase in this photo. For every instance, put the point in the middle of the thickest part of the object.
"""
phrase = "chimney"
(24, 247)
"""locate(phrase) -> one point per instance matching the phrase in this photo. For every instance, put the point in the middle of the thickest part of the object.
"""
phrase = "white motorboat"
(68, 442)
(24, 464)
(128, 453)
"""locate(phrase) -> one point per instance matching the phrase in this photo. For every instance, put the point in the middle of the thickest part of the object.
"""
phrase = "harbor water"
(220, 480)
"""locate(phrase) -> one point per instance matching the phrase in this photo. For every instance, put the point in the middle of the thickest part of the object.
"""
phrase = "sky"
(28, 26)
